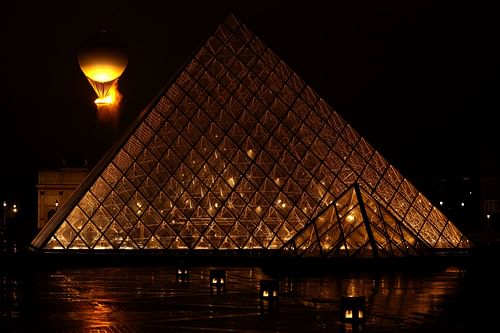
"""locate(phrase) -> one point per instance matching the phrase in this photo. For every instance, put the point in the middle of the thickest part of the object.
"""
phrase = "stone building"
(54, 188)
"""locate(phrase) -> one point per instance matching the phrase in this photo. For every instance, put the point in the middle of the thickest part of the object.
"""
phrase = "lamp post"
(4, 209)
(3, 239)
(3, 227)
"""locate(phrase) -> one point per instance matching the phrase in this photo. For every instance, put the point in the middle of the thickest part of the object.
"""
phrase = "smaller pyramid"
(355, 225)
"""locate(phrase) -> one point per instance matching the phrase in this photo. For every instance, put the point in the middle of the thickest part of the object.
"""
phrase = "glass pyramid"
(355, 224)
(239, 153)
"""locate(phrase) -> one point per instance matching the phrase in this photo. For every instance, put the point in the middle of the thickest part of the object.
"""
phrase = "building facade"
(54, 188)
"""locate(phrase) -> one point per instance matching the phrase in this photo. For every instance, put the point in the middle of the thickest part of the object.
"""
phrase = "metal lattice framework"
(237, 153)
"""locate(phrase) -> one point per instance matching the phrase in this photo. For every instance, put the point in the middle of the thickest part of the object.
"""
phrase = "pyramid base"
(268, 260)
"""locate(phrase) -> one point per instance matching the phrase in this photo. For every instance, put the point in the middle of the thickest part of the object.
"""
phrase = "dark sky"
(419, 81)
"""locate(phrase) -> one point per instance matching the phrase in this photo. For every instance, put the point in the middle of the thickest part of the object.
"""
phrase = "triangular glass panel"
(103, 244)
(228, 244)
(153, 244)
(203, 244)
(252, 243)
(78, 244)
(128, 244)
(53, 244)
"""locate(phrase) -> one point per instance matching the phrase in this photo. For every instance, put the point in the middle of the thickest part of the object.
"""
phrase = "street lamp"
(4, 212)
(3, 239)
(3, 227)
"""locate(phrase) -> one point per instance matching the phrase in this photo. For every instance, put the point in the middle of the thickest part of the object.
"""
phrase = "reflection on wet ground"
(150, 299)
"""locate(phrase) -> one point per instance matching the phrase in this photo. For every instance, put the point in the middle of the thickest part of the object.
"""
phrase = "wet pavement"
(151, 299)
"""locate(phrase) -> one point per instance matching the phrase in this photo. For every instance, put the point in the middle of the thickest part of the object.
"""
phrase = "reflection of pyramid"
(239, 153)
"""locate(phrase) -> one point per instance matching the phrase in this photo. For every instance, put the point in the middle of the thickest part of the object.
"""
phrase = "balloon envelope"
(102, 57)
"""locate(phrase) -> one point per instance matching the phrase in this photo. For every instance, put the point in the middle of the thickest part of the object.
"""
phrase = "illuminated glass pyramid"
(355, 225)
(239, 153)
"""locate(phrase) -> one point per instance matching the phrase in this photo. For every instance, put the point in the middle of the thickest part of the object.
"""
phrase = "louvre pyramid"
(238, 153)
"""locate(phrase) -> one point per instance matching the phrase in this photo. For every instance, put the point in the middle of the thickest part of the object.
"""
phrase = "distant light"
(488, 216)
(462, 204)
(441, 203)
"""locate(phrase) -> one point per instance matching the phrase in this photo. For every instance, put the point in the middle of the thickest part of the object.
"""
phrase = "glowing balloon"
(102, 58)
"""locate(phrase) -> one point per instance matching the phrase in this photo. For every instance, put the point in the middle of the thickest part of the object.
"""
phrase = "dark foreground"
(73, 297)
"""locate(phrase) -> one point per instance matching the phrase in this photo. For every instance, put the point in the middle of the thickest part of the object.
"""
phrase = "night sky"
(419, 81)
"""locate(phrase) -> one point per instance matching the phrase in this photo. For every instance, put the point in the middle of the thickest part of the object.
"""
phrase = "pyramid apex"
(231, 20)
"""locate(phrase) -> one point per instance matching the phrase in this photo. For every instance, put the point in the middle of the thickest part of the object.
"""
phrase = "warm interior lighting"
(348, 314)
(265, 293)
